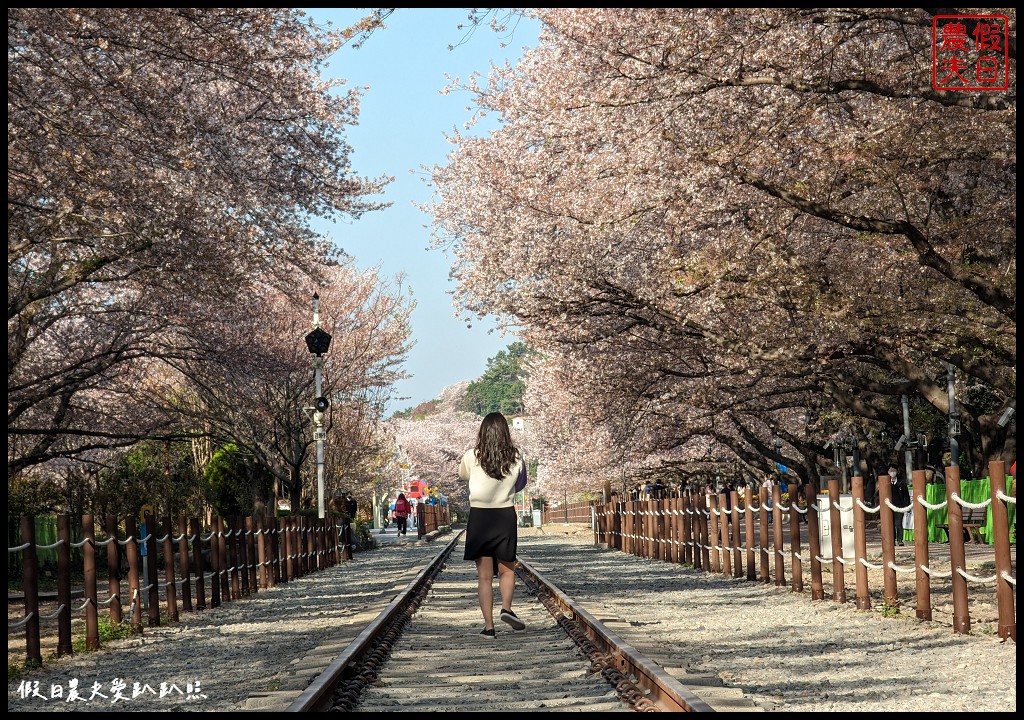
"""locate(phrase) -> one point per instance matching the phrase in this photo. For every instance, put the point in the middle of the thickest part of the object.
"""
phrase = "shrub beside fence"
(192, 571)
(695, 530)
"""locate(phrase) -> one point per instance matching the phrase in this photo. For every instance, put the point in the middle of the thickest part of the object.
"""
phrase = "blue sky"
(403, 121)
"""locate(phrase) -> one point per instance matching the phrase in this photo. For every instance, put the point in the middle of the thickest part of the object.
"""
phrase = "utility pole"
(318, 341)
(954, 419)
(909, 440)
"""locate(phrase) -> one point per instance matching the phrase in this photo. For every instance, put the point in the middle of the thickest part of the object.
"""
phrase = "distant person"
(491, 468)
(402, 511)
(900, 499)
(768, 485)
(725, 512)
(350, 506)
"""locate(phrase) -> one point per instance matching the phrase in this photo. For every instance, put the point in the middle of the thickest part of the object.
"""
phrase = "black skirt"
(491, 532)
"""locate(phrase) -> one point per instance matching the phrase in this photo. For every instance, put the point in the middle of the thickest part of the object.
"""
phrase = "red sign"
(970, 52)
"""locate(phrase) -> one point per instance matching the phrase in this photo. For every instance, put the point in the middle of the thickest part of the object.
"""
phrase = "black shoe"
(488, 633)
(512, 619)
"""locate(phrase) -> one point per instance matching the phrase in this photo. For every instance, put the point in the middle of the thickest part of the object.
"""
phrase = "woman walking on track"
(402, 510)
(491, 468)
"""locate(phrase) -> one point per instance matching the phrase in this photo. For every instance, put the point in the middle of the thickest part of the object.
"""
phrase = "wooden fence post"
(92, 623)
(30, 581)
(860, 545)
(131, 547)
(152, 572)
(197, 559)
(796, 569)
(1001, 540)
(183, 569)
(64, 584)
(171, 594)
(114, 569)
(814, 541)
(251, 559)
(765, 509)
(920, 514)
(748, 522)
(215, 561)
(778, 547)
(957, 553)
(836, 533)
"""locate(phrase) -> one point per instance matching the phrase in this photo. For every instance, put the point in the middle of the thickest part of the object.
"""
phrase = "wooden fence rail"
(430, 518)
(696, 530)
(190, 571)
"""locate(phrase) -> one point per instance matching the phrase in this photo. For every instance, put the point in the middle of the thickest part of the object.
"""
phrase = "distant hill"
(452, 398)
(499, 389)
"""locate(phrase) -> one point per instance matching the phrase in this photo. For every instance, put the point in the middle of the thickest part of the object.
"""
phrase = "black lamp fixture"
(318, 341)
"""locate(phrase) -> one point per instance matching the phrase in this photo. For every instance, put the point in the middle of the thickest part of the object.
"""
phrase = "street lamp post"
(318, 341)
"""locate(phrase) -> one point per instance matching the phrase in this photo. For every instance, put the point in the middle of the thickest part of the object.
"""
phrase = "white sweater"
(485, 491)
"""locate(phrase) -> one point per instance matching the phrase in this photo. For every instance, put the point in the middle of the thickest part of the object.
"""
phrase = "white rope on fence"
(56, 613)
(872, 509)
(870, 566)
(801, 558)
(931, 506)
(51, 546)
(104, 542)
(976, 506)
(20, 623)
(18, 548)
(125, 541)
(905, 570)
(974, 578)
(936, 573)
(896, 508)
(1008, 578)
(1006, 498)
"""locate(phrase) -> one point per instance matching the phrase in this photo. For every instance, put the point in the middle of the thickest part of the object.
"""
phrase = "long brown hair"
(494, 449)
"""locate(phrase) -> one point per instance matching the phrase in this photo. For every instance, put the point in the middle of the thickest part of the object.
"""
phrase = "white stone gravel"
(786, 652)
(230, 652)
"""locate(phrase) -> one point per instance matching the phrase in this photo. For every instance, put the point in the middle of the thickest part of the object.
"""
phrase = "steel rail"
(642, 683)
(317, 697)
(663, 690)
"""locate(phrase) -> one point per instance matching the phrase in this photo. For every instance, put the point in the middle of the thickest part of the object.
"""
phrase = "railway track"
(424, 652)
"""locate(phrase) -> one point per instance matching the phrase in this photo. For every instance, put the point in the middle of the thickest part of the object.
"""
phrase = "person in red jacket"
(402, 511)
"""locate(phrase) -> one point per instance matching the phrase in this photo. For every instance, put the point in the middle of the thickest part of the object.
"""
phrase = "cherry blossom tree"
(432, 445)
(162, 163)
(716, 236)
(255, 377)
